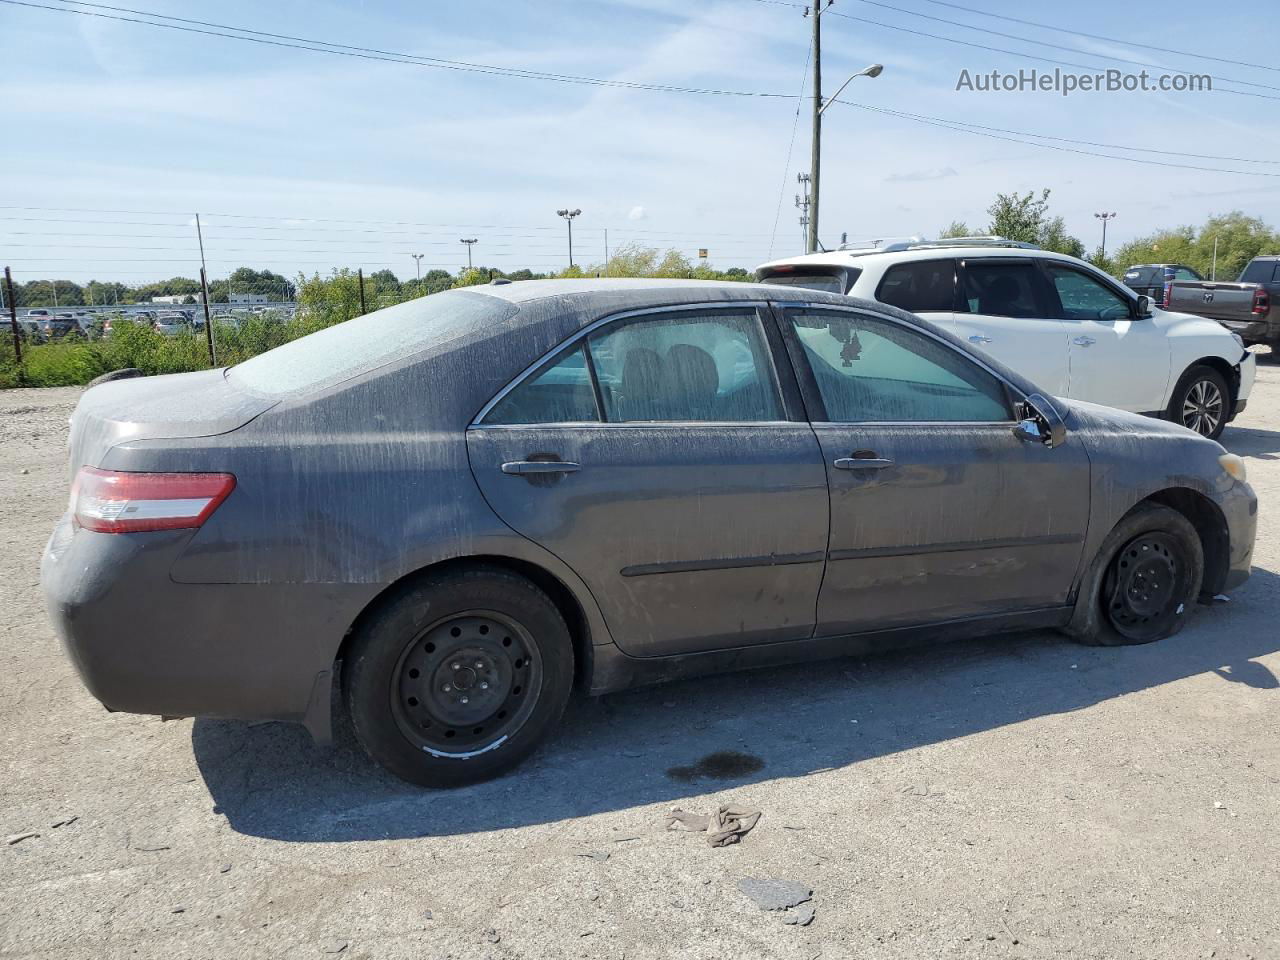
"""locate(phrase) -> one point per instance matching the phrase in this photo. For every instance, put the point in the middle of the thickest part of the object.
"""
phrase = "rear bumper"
(1254, 332)
(142, 643)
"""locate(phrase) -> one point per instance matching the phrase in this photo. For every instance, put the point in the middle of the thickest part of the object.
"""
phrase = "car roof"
(864, 258)
(610, 294)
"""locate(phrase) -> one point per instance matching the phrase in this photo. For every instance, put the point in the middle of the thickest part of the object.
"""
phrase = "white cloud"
(637, 213)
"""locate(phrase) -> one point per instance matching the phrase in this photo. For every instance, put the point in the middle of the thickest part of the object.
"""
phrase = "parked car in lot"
(1061, 322)
(58, 326)
(1250, 307)
(172, 324)
(614, 482)
(1152, 279)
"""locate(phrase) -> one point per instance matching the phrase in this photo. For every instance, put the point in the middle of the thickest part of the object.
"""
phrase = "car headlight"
(1238, 339)
(1233, 465)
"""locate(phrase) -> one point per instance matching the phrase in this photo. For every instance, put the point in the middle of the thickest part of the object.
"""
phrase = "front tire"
(1144, 581)
(456, 678)
(1201, 402)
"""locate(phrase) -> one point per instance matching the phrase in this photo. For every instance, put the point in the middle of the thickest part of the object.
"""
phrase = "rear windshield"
(825, 280)
(357, 346)
(1260, 271)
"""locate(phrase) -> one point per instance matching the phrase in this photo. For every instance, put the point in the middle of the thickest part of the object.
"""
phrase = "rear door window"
(696, 366)
(559, 393)
(925, 286)
(997, 288)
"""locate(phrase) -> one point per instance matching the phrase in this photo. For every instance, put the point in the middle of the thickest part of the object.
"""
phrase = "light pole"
(568, 218)
(819, 106)
(1104, 217)
(468, 243)
(417, 262)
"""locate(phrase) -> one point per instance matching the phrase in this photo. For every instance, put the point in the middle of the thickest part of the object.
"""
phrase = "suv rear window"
(828, 281)
(920, 287)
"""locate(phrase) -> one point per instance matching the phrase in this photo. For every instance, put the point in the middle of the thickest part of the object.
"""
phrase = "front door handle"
(979, 338)
(524, 467)
(861, 463)
(1084, 341)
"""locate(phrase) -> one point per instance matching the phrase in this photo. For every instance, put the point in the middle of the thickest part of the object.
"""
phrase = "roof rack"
(985, 240)
(879, 245)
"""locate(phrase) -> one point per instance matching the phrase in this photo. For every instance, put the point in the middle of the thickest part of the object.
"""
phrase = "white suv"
(1060, 322)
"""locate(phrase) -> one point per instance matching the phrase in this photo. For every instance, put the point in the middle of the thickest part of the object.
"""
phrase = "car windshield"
(826, 282)
(347, 349)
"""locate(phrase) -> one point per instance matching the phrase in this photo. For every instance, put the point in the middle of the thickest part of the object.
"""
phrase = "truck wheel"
(1201, 402)
(1144, 581)
(458, 677)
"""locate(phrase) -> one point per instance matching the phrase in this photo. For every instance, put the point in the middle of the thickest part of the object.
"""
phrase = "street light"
(417, 262)
(819, 105)
(872, 71)
(1104, 217)
(568, 218)
(468, 243)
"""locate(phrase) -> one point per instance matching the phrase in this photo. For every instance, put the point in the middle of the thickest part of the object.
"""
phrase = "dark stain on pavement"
(721, 765)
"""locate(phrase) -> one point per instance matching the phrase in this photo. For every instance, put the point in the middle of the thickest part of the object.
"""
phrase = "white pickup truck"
(1060, 322)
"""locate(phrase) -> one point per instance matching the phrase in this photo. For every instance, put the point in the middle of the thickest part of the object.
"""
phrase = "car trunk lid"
(175, 406)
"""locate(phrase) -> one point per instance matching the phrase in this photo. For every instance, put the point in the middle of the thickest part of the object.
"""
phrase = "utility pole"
(360, 276)
(606, 251)
(1104, 217)
(204, 295)
(468, 243)
(815, 157)
(802, 204)
(13, 318)
(568, 218)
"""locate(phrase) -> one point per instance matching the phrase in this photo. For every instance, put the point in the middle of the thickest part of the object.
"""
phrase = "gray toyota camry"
(463, 507)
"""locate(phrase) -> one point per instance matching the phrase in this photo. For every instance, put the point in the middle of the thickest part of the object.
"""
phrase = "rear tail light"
(107, 501)
(1261, 302)
(1168, 295)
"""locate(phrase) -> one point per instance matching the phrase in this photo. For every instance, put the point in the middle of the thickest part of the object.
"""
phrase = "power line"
(1015, 53)
(795, 125)
(957, 125)
(1094, 36)
(370, 53)
(1054, 46)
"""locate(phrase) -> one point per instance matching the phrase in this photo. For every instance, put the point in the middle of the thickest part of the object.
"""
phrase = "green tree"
(957, 228)
(1026, 218)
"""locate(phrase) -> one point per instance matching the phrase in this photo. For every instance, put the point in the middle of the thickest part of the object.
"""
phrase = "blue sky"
(299, 146)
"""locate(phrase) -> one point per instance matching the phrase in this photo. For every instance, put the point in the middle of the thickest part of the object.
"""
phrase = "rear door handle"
(979, 338)
(861, 463)
(1084, 341)
(520, 467)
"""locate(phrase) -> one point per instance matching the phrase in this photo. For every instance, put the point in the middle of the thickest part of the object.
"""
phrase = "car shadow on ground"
(1248, 442)
(614, 752)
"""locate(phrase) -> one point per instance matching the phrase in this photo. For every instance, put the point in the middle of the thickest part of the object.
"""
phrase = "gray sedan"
(465, 506)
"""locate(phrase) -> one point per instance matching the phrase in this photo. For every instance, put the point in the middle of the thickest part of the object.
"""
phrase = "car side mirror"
(1143, 309)
(1041, 423)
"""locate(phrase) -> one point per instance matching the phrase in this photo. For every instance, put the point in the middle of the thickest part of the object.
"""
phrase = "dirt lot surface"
(1013, 797)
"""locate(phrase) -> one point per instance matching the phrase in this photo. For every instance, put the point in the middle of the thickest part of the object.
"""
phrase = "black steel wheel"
(1145, 586)
(466, 683)
(1144, 581)
(1202, 402)
(457, 676)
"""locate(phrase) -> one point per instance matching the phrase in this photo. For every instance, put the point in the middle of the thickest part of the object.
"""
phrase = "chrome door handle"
(979, 338)
(520, 467)
(861, 463)
(1084, 341)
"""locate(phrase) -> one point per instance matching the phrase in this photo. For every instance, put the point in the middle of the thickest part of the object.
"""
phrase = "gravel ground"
(1014, 797)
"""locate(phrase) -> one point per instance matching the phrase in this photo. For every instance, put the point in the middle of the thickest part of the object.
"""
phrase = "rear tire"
(1201, 402)
(456, 678)
(1144, 581)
